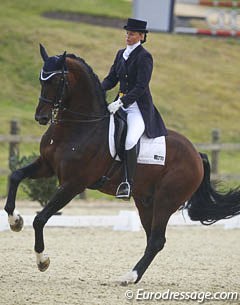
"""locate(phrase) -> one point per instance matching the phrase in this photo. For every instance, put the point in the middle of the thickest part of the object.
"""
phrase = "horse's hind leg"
(155, 244)
(62, 196)
(36, 169)
(145, 213)
(163, 208)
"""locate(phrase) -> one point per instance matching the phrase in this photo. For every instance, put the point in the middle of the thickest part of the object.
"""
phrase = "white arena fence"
(124, 221)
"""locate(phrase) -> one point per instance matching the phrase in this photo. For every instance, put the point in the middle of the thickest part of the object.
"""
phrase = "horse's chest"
(51, 147)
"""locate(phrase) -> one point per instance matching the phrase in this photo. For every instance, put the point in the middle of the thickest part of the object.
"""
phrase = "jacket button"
(126, 75)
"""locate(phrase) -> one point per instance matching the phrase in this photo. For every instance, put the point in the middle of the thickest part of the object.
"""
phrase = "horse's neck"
(87, 97)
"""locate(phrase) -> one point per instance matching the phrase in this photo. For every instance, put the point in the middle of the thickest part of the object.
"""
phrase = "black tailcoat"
(134, 76)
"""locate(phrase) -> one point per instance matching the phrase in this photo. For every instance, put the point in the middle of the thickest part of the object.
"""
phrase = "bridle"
(57, 103)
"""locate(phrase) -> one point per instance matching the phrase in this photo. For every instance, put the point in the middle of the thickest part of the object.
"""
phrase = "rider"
(132, 67)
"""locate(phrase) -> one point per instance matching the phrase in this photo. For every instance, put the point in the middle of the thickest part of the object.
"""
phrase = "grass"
(195, 80)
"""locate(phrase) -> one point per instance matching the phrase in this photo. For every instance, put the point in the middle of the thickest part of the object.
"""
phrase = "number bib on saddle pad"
(152, 151)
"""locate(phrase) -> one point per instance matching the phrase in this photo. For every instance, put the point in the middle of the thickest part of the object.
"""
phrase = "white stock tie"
(129, 50)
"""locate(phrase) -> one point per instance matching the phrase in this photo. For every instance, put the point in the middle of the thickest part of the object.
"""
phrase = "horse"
(75, 149)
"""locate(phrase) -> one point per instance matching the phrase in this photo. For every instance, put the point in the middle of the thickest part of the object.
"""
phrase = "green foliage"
(40, 190)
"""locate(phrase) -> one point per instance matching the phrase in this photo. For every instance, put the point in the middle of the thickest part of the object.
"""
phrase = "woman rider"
(132, 67)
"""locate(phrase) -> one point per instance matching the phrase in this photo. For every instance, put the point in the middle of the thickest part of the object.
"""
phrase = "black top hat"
(136, 25)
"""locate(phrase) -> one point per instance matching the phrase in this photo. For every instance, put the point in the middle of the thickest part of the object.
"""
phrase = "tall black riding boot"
(130, 161)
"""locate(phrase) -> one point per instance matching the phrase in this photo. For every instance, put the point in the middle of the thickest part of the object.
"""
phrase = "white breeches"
(135, 125)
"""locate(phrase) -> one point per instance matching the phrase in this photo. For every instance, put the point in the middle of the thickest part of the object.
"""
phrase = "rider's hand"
(114, 106)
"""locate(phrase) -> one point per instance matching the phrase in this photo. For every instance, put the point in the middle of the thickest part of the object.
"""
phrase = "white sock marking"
(13, 218)
(41, 257)
(128, 278)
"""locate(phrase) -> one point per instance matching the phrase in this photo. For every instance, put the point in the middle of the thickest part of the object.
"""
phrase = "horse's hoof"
(18, 224)
(129, 278)
(42, 266)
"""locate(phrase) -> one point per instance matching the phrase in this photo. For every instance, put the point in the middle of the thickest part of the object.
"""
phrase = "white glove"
(114, 106)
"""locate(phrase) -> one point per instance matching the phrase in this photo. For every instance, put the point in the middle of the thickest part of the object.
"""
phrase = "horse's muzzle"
(42, 119)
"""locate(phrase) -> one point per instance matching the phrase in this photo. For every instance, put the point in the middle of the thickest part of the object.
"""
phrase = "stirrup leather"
(124, 190)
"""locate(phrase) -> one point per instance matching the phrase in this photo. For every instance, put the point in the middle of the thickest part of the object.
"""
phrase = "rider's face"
(133, 37)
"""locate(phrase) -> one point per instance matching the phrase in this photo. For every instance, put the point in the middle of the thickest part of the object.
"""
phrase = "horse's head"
(53, 86)
(69, 84)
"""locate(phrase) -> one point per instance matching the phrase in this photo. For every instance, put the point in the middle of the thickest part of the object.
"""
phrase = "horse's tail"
(207, 205)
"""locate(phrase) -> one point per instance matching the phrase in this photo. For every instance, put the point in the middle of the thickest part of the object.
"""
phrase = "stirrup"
(124, 190)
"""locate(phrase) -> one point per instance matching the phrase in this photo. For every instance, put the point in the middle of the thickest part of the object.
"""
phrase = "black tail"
(207, 205)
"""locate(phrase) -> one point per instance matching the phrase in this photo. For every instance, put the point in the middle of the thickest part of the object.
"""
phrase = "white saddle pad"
(152, 151)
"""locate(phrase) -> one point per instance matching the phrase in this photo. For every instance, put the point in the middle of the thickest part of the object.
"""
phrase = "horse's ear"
(43, 52)
(62, 58)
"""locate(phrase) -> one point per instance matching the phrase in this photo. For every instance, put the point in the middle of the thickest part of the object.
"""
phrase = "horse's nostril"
(42, 119)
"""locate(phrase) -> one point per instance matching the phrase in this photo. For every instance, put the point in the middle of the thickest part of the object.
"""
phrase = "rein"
(57, 104)
(95, 118)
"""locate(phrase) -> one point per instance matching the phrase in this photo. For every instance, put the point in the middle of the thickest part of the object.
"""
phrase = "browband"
(46, 75)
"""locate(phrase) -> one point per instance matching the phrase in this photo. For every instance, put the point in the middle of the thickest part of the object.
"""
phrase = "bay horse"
(75, 148)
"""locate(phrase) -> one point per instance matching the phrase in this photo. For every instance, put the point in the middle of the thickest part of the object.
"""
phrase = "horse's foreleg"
(62, 196)
(33, 170)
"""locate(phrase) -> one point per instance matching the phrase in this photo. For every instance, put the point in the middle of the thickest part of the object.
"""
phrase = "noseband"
(58, 102)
